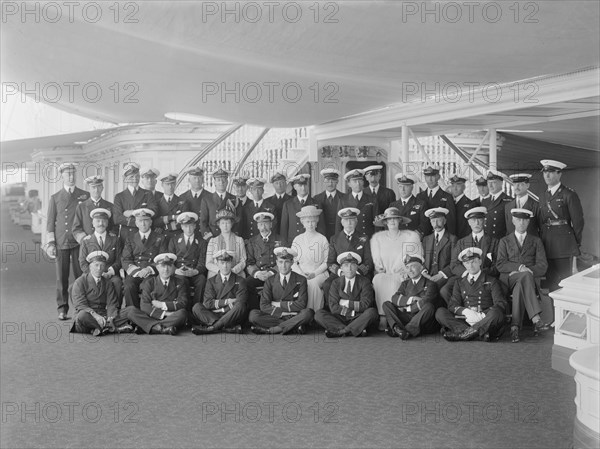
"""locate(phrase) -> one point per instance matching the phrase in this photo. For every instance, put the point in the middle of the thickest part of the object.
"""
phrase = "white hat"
(330, 173)
(349, 256)
(101, 212)
(169, 178)
(356, 173)
(143, 213)
(100, 255)
(150, 171)
(167, 258)
(549, 165)
(521, 213)
(469, 253)
(520, 177)
(223, 254)
(66, 166)
(94, 180)
(372, 168)
(476, 212)
(309, 211)
(349, 212)
(187, 218)
(286, 253)
(436, 212)
(263, 216)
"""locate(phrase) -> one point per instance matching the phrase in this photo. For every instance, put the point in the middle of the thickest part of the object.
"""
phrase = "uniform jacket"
(440, 199)
(495, 220)
(385, 197)
(425, 289)
(330, 210)
(511, 256)
(193, 257)
(259, 254)
(462, 224)
(563, 240)
(485, 293)
(208, 211)
(361, 297)
(61, 214)
(193, 204)
(216, 293)
(293, 299)
(278, 203)
(171, 210)
(415, 210)
(368, 211)
(530, 204)
(359, 244)
(248, 227)
(439, 257)
(290, 223)
(126, 201)
(174, 295)
(111, 246)
(82, 223)
(137, 255)
(87, 296)
(488, 245)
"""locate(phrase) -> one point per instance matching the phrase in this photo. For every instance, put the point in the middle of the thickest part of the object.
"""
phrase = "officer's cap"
(285, 253)
(354, 174)
(470, 253)
(349, 256)
(220, 173)
(330, 173)
(187, 218)
(263, 216)
(94, 180)
(349, 212)
(130, 168)
(143, 213)
(550, 165)
(481, 181)
(196, 171)
(457, 180)
(165, 259)
(256, 182)
(436, 212)
(100, 212)
(240, 181)
(476, 212)
(67, 166)
(169, 178)
(277, 176)
(150, 172)
(520, 177)
(403, 179)
(413, 258)
(97, 256)
(431, 171)
(521, 213)
(494, 174)
(374, 169)
(300, 179)
(223, 254)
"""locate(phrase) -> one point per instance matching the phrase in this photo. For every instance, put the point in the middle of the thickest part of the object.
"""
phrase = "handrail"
(205, 151)
(245, 157)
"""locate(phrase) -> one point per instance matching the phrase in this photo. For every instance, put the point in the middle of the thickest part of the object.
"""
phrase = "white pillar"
(493, 149)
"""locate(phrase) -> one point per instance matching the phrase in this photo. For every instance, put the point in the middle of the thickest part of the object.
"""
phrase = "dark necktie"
(284, 282)
(256, 205)
(266, 239)
(349, 237)
(225, 279)
(373, 190)
(437, 239)
(476, 240)
(98, 283)
(403, 203)
(144, 239)
(166, 284)
(348, 289)
(101, 242)
(301, 202)
(330, 199)
(356, 198)
(471, 280)
(188, 243)
(430, 194)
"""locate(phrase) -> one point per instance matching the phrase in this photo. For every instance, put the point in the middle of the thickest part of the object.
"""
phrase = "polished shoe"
(237, 329)
(390, 332)
(125, 329)
(539, 327)
(363, 333)
(300, 330)
(259, 330)
(99, 332)
(334, 334)
(514, 335)
(451, 336)
(63, 316)
(468, 334)
(171, 330)
(403, 334)
(202, 330)
(138, 330)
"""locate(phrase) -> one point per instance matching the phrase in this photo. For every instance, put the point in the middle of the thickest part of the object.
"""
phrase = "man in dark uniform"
(462, 203)
(138, 253)
(225, 297)
(521, 263)
(240, 190)
(163, 309)
(477, 306)
(82, 223)
(284, 300)
(148, 181)
(351, 300)
(363, 201)
(102, 240)
(131, 199)
(170, 206)
(384, 196)
(190, 265)
(290, 222)
(438, 248)
(220, 199)
(95, 301)
(61, 242)
(249, 226)
(280, 185)
(495, 224)
(196, 194)
(482, 189)
(329, 200)
(409, 206)
(522, 201)
(348, 240)
(479, 239)
(411, 310)
(261, 262)
(434, 196)
(561, 224)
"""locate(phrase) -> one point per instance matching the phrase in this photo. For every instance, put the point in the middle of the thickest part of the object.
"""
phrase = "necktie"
(471, 280)
(348, 289)
(284, 282)
(349, 237)
(403, 203)
(475, 240)
(356, 198)
(265, 239)
(96, 204)
(195, 196)
(98, 282)
(373, 190)
(430, 194)
(101, 241)
(330, 199)
(166, 284)
(437, 238)
(225, 279)
(255, 205)
(144, 239)
(301, 202)
(188, 243)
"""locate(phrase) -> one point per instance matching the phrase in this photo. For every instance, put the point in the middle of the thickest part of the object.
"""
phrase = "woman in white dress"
(389, 248)
(313, 249)
(226, 240)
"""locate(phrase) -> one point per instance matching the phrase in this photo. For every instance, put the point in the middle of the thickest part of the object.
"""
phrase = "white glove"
(472, 317)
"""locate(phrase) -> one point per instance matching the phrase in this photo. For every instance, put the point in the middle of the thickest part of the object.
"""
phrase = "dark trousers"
(524, 297)
(558, 269)
(286, 323)
(66, 260)
(252, 284)
(198, 281)
(446, 290)
(146, 322)
(117, 283)
(85, 323)
(334, 322)
(421, 322)
(492, 323)
(131, 291)
(326, 286)
(219, 320)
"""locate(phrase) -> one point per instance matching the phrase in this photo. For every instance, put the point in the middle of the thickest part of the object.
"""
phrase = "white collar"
(68, 189)
(259, 202)
(97, 280)
(168, 198)
(458, 198)
(223, 277)
(416, 281)
(302, 198)
(284, 276)
(405, 200)
(103, 235)
(554, 189)
(484, 197)
(330, 194)
(496, 195)
(517, 234)
(358, 195)
(441, 233)
(376, 188)
(146, 234)
(96, 201)
(351, 282)
(433, 191)
(474, 276)
(132, 189)
(479, 236)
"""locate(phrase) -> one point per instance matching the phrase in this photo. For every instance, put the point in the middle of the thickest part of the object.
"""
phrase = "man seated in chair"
(284, 300)
(139, 251)
(261, 262)
(190, 250)
(164, 300)
(102, 240)
(95, 300)
(477, 306)
(351, 300)
(411, 311)
(225, 297)
(521, 263)
(438, 248)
